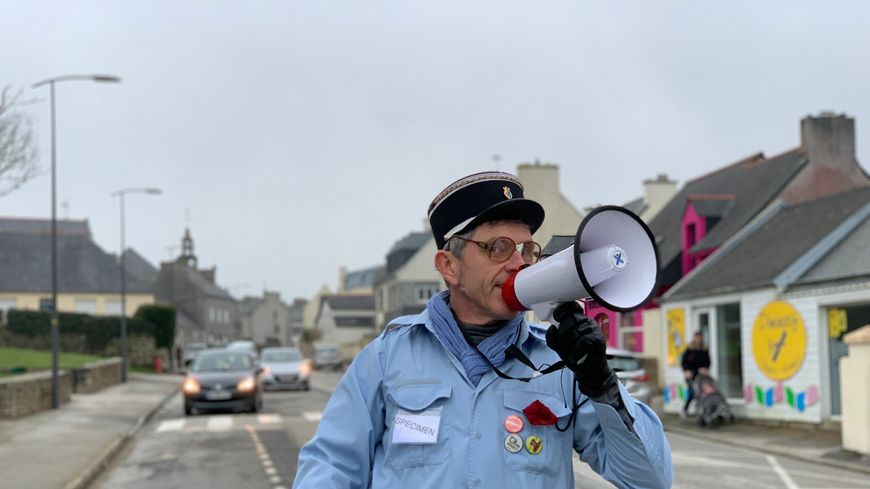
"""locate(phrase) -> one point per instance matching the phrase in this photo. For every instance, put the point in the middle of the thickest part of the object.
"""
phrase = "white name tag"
(416, 428)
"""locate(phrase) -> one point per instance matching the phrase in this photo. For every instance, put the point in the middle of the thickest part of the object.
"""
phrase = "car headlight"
(246, 385)
(304, 369)
(190, 386)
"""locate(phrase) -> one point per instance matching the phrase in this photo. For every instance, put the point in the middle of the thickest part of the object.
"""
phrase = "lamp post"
(125, 357)
(55, 324)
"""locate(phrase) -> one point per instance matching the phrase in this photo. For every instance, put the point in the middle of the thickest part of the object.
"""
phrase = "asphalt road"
(260, 451)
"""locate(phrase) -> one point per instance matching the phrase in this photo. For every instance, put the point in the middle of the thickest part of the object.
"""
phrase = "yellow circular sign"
(779, 340)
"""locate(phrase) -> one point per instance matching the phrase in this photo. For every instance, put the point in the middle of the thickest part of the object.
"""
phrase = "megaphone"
(613, 260)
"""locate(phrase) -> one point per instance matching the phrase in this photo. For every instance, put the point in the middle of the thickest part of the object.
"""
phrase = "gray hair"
(456, 246)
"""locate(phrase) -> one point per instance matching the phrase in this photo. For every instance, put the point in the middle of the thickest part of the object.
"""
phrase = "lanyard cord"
(514, 352)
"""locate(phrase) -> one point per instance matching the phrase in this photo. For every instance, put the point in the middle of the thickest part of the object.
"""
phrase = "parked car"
(633, 376)
(327, 356)
(223, 379)
(244, 345)
(191, 350)
(284, 367)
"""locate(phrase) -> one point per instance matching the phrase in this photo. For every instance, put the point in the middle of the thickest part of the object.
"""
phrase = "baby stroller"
(714, 409)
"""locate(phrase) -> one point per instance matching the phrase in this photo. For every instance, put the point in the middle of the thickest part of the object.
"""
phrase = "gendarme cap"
(479, 198)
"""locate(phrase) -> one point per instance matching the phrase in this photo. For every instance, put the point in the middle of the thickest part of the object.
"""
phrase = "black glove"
(580, 344)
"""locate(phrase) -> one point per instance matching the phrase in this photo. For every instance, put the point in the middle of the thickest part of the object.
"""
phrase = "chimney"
(656, 193)
(209, 273)
(538, 178)
(342, 276)
(829, 139)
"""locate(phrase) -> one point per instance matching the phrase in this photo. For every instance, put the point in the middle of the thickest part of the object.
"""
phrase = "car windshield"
(220, 362)
(281, 356)
(622, 364)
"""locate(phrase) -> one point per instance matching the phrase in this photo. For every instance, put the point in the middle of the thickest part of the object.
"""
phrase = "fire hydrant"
(158, 364)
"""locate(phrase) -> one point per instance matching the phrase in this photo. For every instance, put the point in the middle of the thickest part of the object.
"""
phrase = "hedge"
(163, 319)
(97, 330)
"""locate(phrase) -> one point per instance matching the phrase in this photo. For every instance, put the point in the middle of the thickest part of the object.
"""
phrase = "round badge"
(514, 424)
(534, 444)
(513, 443)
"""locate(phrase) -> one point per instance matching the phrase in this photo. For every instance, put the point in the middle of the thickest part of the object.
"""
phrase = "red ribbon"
(539, 414)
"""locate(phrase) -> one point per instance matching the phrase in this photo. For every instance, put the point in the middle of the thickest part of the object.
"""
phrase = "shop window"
(842, 320)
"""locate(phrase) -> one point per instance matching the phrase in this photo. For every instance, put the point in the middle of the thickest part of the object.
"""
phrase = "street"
(260, 451)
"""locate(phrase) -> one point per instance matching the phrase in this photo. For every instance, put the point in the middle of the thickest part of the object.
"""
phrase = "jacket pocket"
(426, 398)
(555, 445)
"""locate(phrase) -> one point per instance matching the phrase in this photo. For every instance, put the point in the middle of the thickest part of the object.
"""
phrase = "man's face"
(478, 299)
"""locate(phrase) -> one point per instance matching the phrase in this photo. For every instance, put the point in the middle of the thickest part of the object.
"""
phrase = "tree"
(18, 154)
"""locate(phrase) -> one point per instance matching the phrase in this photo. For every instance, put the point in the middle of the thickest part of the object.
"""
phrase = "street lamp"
(55, 324)
(125, 357)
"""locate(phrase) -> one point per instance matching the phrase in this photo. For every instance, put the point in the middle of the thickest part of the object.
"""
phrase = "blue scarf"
(451, 337)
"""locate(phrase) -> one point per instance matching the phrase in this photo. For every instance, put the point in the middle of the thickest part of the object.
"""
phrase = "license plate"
(218, 395)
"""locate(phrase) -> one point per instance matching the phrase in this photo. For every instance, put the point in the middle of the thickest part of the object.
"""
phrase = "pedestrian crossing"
(227, 422)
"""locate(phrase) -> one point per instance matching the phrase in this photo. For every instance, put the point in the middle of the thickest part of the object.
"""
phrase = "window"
(212, 315)
(424, 292)
(45, 304)
(113, 307)
(86, 306)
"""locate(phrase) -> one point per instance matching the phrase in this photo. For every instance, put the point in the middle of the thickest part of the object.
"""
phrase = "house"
(359, 281)
(88, 278)
(347, 320)
(297, 312)
(773, 303)
(265, 320)
(205, 312)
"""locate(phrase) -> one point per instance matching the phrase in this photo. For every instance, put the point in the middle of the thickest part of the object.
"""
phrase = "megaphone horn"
(613, 260)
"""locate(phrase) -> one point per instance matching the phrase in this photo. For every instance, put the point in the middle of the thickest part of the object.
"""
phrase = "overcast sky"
(294, 137)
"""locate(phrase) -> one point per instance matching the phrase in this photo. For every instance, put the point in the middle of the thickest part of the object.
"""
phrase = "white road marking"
(783, 475)
(269, 418)
(171, 425)
(220, 423)
(312, 415)
(275, 479)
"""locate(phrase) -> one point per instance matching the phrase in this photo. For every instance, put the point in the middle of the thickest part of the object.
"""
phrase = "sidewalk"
(66, 448)
(808, 444)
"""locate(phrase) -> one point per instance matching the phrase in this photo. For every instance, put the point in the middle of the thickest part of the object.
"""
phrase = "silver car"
(633, 376)
(284, 368)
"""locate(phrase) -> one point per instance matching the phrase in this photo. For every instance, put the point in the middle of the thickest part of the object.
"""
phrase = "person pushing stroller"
(695, 360)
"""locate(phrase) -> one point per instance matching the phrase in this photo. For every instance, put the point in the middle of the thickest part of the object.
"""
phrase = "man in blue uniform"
(453, 396)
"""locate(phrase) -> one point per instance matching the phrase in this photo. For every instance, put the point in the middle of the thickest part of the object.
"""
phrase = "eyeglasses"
(502, 248)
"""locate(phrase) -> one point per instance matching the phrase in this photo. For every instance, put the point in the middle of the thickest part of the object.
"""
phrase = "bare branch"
(18, 151)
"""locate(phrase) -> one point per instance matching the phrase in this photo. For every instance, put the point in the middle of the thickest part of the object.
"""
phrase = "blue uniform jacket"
(406, 368)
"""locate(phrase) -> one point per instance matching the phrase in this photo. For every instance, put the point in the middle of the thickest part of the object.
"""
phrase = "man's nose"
(515, 262)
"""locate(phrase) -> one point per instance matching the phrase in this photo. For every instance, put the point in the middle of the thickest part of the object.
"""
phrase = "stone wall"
(95, 376)
(24, 394)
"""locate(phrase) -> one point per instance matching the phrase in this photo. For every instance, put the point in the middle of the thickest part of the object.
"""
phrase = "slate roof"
(412, 242)
(138, 266)
(556, 244)
(754, 182)
(349, 302)
(636, 206)
(755, 259)
(43, 226)
(25, 265)
(715, 207)
(366, 277)
(847, 259)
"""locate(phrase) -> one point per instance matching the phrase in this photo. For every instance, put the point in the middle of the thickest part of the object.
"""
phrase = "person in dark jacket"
(695, 359)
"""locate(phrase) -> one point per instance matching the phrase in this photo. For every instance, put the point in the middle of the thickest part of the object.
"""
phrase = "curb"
(773, 450)
(90, 472)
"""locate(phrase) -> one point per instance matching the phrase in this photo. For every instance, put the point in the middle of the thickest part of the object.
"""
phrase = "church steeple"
(187, 257)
